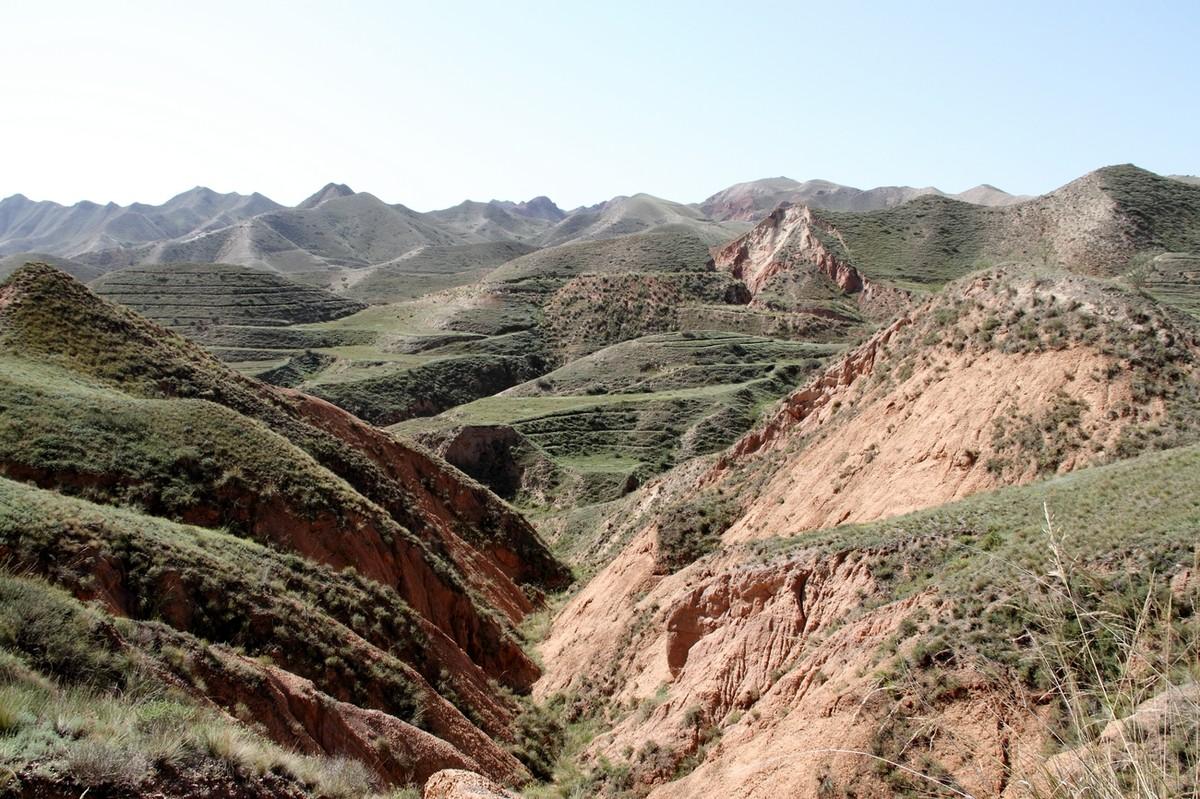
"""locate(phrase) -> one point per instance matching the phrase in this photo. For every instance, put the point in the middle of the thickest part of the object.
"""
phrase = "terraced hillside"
(205, 295)
(583, 296)
(396, 361)
(384, 363)
(416, 359)
(596, 428)
(431, 269)
(1173, 279)
(275, 557)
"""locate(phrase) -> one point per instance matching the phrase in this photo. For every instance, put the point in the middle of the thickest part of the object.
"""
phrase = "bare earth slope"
(707, 663)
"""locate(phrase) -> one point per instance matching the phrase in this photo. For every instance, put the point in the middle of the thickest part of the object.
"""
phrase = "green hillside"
(203, 295)
(596, 428)
(345, 557)
(432, 269)
(930, 240)
(85, 706)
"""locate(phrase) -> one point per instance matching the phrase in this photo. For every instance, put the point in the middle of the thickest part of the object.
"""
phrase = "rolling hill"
(432, 269)
(267, 555)
(88, 227)
(1111, 222)
(81, 272)
(500, 221)
(203, 295)
(883, 493)
(622, 216)
(336, 232)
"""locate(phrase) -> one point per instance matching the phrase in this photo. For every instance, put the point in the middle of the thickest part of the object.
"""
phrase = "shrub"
(539, 735)
(690, 530)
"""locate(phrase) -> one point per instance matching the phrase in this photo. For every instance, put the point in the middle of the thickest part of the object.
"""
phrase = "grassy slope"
(1141, 510)
(215, 580)
(77, 711)
(199, 295)
(404, 363)
(1124, 532)
(99, 402)
(931, 240)
(189, 431)
(433, 269)
(636, 408)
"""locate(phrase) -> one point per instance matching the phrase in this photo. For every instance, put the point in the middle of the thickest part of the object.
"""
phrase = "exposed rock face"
(453, 507)
(788, 240)
(298, 715)
(459, 784)
(776, 656)
(935, 428)
(759, 673)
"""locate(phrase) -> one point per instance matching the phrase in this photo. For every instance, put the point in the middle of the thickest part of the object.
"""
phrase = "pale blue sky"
(431, 103)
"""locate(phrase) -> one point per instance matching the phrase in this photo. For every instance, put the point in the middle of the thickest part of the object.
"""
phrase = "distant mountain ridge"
(85, 227)
(752, 200)
(338, 229)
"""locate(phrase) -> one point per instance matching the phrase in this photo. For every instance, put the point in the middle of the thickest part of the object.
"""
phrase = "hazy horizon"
(430, 107)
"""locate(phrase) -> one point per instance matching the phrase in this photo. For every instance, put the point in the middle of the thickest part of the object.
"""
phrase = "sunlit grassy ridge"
(54, 322)
(931, 240)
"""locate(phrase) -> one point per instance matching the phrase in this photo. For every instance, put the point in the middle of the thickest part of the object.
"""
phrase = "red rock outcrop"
(295, 714)
(786, 241)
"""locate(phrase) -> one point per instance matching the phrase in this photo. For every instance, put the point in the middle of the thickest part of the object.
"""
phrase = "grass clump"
(689, 530)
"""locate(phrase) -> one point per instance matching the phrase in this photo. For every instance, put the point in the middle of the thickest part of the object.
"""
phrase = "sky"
(430, 103)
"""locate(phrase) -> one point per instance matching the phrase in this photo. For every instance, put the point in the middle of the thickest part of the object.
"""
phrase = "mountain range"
(337, 228)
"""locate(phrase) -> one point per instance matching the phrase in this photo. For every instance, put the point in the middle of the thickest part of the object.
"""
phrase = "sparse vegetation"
(689, 530)
(77, 712)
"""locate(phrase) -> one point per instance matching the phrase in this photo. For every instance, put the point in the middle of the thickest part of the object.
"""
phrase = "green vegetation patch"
(385, 398)
(227, 590)
(200, 295)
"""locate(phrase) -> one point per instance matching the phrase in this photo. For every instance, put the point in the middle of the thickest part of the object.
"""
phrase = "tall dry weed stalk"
(1124, 671)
